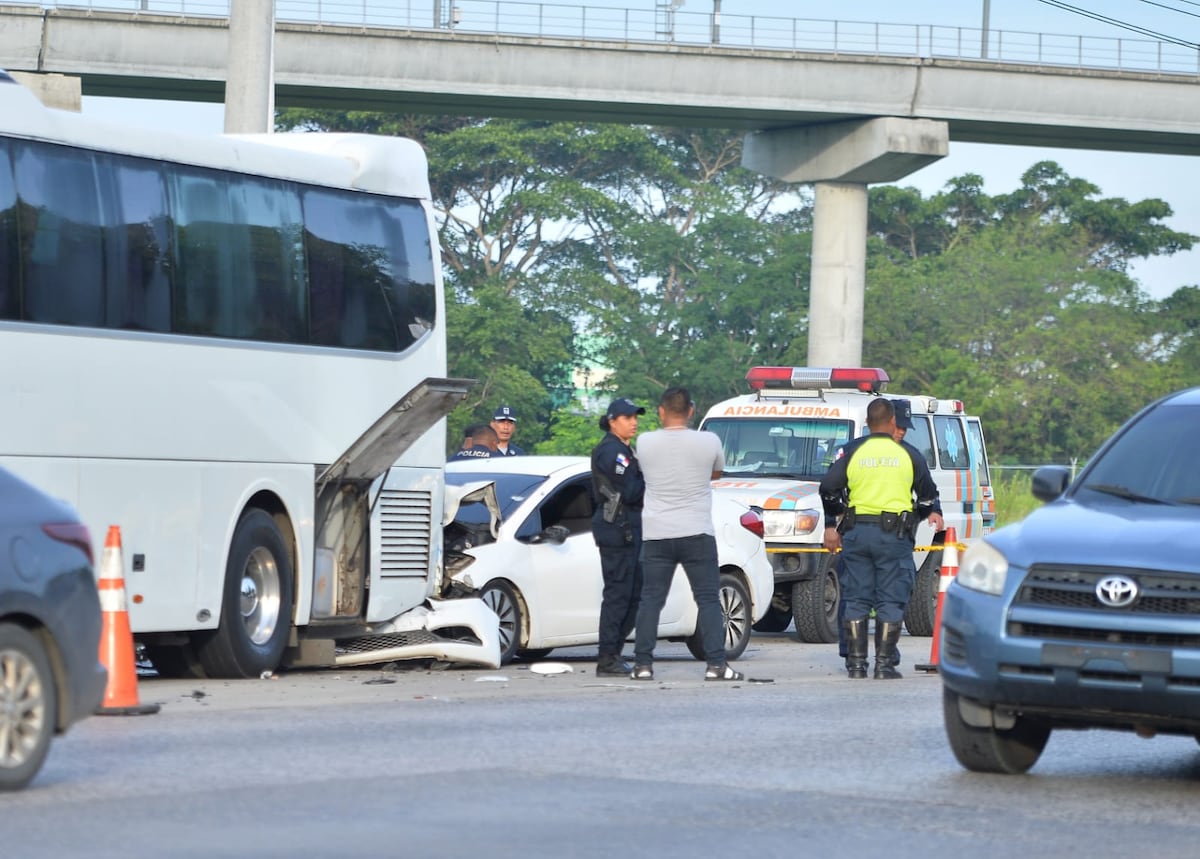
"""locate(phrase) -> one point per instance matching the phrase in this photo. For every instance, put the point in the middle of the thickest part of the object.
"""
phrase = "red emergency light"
(870, 380)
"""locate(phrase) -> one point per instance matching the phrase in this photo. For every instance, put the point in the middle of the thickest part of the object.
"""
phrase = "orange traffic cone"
(116, 638)
(949, 571)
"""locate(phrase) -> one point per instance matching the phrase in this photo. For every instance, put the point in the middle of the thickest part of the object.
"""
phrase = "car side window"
(571, 507)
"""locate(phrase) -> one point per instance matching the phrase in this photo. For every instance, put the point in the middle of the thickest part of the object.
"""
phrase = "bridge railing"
(635, 27)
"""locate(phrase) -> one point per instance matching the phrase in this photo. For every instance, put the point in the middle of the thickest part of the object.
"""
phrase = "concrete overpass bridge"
(841, 117)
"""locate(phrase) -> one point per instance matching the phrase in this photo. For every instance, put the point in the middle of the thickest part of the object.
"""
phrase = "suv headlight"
(789, 523)
(983, 568)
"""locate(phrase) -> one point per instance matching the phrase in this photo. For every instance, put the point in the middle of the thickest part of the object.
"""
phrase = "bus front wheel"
(256, 605)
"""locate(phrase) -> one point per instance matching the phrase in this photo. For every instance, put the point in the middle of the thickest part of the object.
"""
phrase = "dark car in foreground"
(1086, 614)
(50, 670)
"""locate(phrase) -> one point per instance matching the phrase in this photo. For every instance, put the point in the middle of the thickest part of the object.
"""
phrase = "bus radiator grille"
(406, 526)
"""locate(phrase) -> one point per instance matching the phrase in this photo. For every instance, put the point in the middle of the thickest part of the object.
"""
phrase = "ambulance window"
(978, 451)
(951, 442)
(920, 438)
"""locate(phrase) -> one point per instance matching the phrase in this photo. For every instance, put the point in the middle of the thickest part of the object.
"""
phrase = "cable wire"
(1124, 25)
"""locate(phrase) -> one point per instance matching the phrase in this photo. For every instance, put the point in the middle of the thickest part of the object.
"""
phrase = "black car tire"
(815, 605)
(737, 616)
(256, 609)
(779, 614)
(30, 714)
(501, 597)
(921, 612)
(990, 750)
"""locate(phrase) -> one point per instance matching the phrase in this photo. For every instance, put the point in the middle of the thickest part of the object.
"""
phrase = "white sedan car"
(540, 573)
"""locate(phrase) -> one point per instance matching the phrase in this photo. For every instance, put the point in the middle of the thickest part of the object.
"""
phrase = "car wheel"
(28, 706)
(256, 609)
(991, 750)
(736, 616)
(501, 597)
(534, 655)
(921, 612)
(778, 616)
(815, 605)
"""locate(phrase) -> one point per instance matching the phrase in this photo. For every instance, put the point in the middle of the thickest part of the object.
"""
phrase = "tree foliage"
(653, 253)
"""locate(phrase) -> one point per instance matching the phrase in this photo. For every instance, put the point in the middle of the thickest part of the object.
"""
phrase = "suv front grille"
(1162, 597)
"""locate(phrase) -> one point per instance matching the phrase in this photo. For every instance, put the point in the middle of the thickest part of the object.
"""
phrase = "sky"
(1133, 176)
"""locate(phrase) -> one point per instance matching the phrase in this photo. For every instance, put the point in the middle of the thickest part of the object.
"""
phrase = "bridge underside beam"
(841, 159)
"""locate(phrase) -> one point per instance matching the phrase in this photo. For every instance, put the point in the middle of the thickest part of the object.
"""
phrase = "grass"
(1014, 501)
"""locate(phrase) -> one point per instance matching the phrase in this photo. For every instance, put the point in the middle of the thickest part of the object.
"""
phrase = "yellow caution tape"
(821, 549)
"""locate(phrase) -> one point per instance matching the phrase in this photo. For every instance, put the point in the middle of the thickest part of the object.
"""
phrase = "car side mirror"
(1050, 481)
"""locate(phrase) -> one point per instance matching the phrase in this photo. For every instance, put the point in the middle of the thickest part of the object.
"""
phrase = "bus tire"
(921, 611)
(815, 605)
(256, 608)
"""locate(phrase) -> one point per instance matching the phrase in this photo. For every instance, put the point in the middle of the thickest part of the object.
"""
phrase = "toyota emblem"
(1116, 591)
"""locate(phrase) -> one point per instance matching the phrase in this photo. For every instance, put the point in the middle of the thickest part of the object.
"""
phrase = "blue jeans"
(697, 555)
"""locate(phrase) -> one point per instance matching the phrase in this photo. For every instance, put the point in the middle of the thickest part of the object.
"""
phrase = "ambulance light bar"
(870, 380)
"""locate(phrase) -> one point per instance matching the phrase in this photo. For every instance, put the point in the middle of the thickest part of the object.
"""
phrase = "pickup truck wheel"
(990, 750)
(815, 605)
(921, 612)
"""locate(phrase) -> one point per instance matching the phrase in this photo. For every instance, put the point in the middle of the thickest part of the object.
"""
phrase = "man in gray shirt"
(679, 465)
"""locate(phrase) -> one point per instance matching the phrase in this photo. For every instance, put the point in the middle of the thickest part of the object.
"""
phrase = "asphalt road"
(407, 761)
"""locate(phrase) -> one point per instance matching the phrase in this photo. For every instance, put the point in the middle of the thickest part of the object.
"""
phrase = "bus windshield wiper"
(1123, 492)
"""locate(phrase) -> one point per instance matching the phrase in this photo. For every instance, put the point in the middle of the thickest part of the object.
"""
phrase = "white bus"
(234, 349)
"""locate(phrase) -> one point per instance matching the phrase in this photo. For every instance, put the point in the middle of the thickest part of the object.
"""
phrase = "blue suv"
(1086, 614)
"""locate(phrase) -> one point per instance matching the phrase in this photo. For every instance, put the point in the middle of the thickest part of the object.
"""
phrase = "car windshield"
(780, 447)
(1151, 461)
(511, 490)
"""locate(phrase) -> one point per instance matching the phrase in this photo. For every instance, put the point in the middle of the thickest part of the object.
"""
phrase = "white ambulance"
(780, 440)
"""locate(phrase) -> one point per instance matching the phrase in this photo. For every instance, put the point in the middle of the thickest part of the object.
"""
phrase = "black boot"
(879, 644)
(887, 636)
(856, 648)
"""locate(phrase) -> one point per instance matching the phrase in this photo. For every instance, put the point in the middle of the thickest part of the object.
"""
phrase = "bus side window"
(62, 241)
(10, 295)
(137, 246)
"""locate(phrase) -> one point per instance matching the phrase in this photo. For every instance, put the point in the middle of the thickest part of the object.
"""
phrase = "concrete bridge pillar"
(250, 76)
(841, 159)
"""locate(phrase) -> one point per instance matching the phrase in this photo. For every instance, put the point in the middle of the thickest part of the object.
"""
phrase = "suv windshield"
(1151, 460)
(780, 447)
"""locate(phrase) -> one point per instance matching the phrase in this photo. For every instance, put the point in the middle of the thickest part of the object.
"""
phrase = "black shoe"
(612, 666)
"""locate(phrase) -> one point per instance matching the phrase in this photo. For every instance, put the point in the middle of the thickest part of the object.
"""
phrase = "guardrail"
(634, 27)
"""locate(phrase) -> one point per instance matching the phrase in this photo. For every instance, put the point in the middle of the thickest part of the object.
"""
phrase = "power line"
(1124, 25)
(1172, 8)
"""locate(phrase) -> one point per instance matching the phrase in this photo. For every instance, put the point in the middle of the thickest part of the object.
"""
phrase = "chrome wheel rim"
(261, 596)
(736, 614)
(498, 601)
(22, 708)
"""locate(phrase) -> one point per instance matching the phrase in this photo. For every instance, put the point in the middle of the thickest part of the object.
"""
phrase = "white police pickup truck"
(779, 441)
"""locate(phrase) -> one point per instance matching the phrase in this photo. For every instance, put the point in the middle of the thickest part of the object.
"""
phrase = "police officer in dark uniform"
(903, 410)
(872, 487)
(479, 442)
(618, 488)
